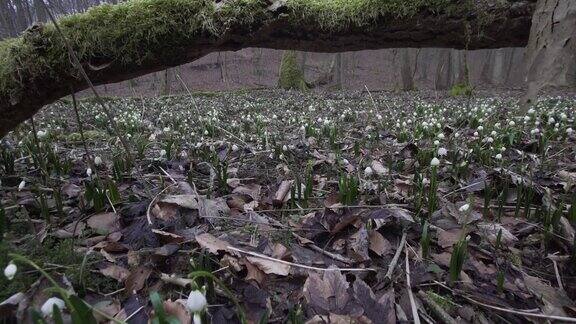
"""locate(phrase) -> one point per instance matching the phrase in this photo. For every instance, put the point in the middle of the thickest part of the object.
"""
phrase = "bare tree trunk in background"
(444, 70)
(6, 12)
(257, 64)
(40, 11)
(222, 65)
(406, 75)
(166, 83)
(338, 73)
(21, 20)
(551, 50)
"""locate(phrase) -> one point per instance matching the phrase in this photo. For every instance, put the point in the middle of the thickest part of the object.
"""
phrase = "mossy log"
(123, 41)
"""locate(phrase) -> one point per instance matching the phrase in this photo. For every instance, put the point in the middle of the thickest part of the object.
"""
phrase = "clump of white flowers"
(41, 134)
(368, 172)
(10, 271)
(48, 306)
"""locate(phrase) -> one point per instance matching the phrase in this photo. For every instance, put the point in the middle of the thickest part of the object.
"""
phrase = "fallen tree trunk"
(119, 42)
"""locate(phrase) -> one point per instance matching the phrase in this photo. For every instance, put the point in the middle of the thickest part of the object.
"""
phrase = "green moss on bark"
(290, 75)
(130, 33)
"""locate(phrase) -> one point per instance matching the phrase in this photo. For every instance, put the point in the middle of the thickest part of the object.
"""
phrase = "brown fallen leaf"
(137, 279)
(327, 293)
(377, 310)
(378, 244)
(252, 189)
(211, 243)
(554, 300)
(491, 230)
(447, 238)
(186, 201)
(270, 266)
(254, 273)
(116, 272)
(73, 229)
(104, 223)
(358, 245)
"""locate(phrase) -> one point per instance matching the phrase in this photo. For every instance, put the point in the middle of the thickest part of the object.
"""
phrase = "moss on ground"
(290, 74)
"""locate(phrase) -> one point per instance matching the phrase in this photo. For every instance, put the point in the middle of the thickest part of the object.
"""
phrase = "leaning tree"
(113, 43)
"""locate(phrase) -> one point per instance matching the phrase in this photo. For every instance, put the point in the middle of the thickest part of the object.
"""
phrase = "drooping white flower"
(41, 134)
(511, 123)
(368, 171)
(234, 148)
(441, 136)
(436, 142)
(10, 270)
(196, 301)
(89, 172)
(163, 153)
(569, 130)
(480, 128)
(48, 306)
(476, 134)
(464, 208)
(97, 161)
(498, 156)
(21, 185)
(531, 111)
(535, 131)
(442, 151)
(435, 162)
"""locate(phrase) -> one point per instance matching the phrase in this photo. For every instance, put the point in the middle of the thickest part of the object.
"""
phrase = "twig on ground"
(436, 309)
(153, 201)
(394, 261)
(303, 266)
(413, 306)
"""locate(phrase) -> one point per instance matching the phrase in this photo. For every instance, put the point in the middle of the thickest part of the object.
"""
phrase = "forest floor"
(285, 207)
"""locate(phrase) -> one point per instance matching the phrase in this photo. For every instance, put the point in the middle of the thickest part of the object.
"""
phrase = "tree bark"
(551, 51)
(35, 69)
